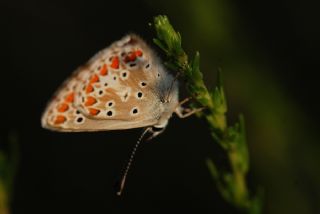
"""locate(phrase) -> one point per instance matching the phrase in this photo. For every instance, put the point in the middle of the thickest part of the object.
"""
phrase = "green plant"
(231, 183)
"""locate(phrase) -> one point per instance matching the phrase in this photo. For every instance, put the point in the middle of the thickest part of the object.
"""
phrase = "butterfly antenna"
(124, 176)
(171, 86)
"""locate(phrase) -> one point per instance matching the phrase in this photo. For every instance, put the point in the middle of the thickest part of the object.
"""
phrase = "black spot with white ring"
(134, 111)
(80, 120)
(143, 84)
(110, 103)
(139, 95)
(110, 113)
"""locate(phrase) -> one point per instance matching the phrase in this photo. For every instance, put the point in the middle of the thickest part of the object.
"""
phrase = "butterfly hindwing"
(60, 113)
(117, 89)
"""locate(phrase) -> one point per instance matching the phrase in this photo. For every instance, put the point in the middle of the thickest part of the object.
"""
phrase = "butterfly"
(123, 86)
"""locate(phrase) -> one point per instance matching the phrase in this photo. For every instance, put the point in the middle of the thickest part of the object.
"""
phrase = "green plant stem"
(241, 192)
(231, 183)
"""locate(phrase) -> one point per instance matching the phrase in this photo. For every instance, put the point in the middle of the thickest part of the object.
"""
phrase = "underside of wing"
(116, 89)
(121, 84)
(62, 115)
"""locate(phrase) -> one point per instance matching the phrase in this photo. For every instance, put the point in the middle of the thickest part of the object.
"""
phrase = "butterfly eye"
(147, 66)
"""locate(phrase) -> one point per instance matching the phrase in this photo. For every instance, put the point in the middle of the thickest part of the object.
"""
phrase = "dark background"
(268, 51)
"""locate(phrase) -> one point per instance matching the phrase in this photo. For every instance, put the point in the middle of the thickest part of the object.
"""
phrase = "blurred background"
(269, 54)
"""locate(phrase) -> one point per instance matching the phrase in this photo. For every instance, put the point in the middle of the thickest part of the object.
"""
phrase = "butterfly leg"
(186, 112)
(155, 131)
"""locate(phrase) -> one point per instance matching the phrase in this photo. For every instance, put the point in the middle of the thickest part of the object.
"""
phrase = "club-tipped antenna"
(124, 176)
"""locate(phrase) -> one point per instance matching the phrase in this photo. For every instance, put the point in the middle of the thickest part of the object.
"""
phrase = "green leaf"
(218, 96)
(171, 40)
(160, 45)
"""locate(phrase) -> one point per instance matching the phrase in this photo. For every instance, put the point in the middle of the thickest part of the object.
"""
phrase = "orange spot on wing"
(90, 101)
(70, 97)
(131, 57)
(139, 53)
(115, 62)
(89, 89)
(63, 107)
(94, 111)
(94, 79)
(60, 119)
(104, 70)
